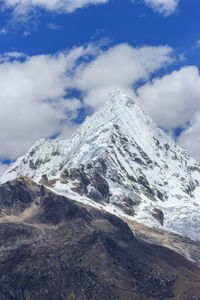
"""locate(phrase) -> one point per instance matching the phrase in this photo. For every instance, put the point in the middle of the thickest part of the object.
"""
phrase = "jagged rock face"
(182, 245)
(66, 250)
(120, 153)
(158, 214)
(15, 197)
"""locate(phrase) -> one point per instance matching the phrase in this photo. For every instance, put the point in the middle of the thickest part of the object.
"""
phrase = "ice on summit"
(120, 160)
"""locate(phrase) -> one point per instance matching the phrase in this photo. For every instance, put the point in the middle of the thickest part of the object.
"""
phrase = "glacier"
(119, 160)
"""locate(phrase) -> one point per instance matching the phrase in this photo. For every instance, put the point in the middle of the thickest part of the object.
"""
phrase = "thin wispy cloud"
(3, 31)
(165, 7)
(198, 43)
(23, 7)
(53, 26)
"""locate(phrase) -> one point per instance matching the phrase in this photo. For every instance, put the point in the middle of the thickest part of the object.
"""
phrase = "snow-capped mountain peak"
(120, 160)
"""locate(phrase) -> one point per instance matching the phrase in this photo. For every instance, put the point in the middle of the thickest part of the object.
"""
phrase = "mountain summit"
(121, 161)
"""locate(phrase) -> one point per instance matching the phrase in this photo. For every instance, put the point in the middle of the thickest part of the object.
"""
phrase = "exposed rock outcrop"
(66, 250)
(158, 215)
(119, 152)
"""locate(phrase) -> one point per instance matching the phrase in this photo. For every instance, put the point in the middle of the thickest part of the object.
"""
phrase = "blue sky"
(120, 21)
(54, 56)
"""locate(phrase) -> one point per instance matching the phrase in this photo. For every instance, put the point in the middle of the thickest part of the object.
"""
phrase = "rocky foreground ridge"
(119, 160)
(54, 248)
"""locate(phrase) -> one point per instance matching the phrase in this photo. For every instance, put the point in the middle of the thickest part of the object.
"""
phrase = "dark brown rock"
(95, 195)
(158, 215)
(167, 146)
(16, 196)
(73, 252)
(160, 195)
(101, 185)
(144, 182)
(130, 202)
(125, 208)
(56, 153)
(45, 181)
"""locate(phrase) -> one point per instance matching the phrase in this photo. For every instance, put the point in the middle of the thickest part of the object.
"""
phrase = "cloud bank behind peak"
(35, 91)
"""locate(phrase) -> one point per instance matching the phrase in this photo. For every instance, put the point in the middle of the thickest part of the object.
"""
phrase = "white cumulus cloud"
(165, 7)
(190, 138)
(174, 101)
(33, 100)
(34, 91)
(119, 67)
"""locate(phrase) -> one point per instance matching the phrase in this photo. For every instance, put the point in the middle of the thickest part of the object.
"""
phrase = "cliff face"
(54, 248)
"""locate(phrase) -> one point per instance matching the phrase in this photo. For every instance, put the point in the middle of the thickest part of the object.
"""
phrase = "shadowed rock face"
(182, 245)
(17, 195)
(65, 250)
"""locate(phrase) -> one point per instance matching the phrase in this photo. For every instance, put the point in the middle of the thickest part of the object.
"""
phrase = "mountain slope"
(55, 248)
(121, 160)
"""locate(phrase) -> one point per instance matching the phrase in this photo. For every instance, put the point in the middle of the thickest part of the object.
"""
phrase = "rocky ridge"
(121, 161)
(54, 248)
